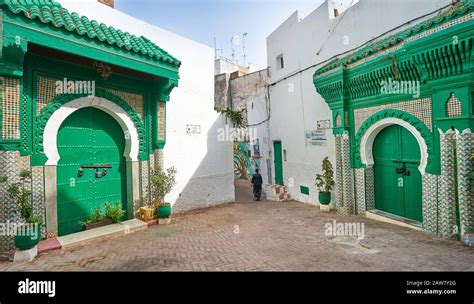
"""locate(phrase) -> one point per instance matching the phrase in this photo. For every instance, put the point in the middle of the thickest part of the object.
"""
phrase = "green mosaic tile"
(339, 186)
(447, 212)
(465, 144)
(347, 177)
(360, 191)
(430, 203)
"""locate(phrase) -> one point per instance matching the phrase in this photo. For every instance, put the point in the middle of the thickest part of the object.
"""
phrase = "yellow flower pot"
(147, 213)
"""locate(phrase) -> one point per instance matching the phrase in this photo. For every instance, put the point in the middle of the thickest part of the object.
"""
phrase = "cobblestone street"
(259, 236)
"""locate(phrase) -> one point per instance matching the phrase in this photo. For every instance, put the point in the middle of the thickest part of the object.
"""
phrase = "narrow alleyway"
(243, 192)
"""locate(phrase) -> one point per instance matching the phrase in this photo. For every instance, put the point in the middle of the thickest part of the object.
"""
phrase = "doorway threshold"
(83, 237)
(386, 217)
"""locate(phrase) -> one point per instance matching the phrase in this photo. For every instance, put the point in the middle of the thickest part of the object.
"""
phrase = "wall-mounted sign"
(315, 138)
(193, 129)
(323, 124)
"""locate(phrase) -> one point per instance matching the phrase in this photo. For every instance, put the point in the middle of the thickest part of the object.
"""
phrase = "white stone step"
(83, 237)
(277, 193)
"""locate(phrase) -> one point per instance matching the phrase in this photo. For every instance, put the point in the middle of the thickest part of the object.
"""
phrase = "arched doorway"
(91, 169)
(398, 184)
(132, 133)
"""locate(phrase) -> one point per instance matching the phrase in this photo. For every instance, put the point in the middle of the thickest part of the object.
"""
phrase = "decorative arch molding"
(52, 116)
(374, 124)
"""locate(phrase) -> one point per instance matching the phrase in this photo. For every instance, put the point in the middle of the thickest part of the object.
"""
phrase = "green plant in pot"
(108, 214)
(28, 232)
(325, 182)
(162, 183)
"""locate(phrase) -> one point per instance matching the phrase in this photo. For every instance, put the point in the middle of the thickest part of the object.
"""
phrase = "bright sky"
(202, 20)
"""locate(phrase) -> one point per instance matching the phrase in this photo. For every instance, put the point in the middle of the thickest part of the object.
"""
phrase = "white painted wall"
(258, 112)
(224, 66)
(299, 39)
(340, 5)
(204, 165)
(227, 66)
(258, 121)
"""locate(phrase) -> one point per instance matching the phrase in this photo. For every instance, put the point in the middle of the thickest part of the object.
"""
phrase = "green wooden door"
(89, 136)
(397, 179)
(278, 163)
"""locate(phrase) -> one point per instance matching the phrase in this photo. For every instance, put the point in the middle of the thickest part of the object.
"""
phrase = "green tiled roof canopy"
(462, 8)
(49, 17)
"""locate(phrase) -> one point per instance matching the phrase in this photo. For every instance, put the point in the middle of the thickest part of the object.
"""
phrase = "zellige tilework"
(420, 108)
(10, 107)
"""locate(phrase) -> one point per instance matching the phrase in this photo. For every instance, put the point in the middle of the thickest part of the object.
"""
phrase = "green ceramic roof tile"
(462, 8)
(52, 13)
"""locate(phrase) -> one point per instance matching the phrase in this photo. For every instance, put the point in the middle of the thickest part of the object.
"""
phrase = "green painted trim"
(339, 131)
(9, 145)
(412, 120)
(12, 50)
(458, 122)
(11, 72)
(165, 89)
(39, 158)
(163, 93)
(27, 108)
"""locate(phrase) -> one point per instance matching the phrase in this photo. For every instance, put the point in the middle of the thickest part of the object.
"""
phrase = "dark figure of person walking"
(257, 182)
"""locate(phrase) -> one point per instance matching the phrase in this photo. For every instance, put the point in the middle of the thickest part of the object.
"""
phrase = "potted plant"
(112, 213)
(325, 182)
(148, 211)
(162, 183)
(28, 233)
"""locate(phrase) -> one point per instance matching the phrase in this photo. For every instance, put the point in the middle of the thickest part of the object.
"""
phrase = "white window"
(280, 62)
